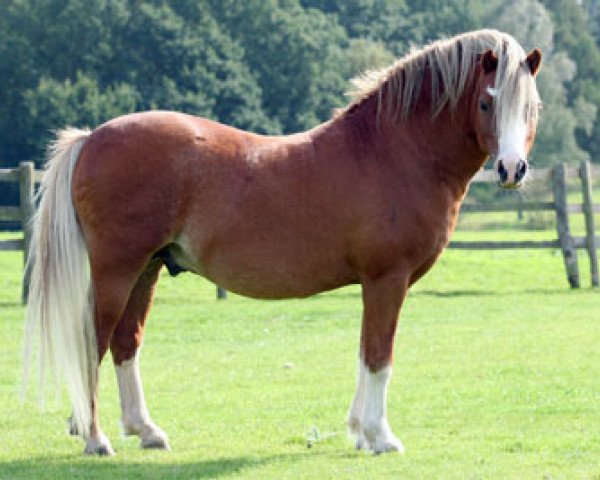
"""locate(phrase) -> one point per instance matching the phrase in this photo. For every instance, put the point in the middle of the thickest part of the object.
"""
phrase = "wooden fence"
(27, 177)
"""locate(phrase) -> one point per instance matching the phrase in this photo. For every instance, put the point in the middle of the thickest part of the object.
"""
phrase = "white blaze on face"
(511, 157)
(511, 144)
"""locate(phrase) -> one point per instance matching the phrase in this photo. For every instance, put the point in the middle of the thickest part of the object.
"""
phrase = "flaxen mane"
(452, 61)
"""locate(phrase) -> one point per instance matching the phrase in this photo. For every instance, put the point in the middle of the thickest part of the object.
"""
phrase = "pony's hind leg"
(96, 443)
(113, 277)
(125, 346)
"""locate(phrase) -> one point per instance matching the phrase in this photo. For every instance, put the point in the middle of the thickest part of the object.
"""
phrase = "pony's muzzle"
(511, 173)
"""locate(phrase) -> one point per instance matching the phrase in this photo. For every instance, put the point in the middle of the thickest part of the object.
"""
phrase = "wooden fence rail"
(27, 177)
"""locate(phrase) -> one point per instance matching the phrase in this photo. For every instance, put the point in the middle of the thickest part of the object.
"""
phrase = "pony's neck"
(447, 141)
(443, 145)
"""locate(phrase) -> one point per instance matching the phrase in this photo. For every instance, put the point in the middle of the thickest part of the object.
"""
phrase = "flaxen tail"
(60, 300)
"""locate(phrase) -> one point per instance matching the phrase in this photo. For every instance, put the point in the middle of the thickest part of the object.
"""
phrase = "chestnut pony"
(369, 197)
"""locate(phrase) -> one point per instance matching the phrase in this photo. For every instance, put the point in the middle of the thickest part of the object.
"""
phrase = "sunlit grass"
(497, 375)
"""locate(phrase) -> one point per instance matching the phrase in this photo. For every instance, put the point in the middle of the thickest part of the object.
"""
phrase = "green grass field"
(497, 376)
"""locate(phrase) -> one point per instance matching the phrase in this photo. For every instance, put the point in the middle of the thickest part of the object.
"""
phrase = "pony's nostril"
(502, 172)
(521, 171)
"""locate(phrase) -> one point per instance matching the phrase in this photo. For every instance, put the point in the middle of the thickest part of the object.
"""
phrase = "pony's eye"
(484, 106)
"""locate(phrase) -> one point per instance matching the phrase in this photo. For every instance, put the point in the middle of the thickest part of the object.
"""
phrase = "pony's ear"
(489, 61)
(534, 60)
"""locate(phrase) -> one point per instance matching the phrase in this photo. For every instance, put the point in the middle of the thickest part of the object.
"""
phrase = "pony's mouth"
(510, 186)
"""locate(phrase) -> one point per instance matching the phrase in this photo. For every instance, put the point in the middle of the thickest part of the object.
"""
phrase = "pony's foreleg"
(125, 345)
(376, 429)
(382, 298)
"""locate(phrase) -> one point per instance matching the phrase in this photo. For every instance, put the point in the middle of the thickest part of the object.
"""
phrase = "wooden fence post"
(585, 173)
(26, 193)
(562, 225)
(520, 208)
(221, 293)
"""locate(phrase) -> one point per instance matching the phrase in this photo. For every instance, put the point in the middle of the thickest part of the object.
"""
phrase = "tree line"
(270, 66)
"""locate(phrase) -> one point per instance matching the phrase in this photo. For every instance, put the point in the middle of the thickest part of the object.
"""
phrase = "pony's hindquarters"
(60, 300)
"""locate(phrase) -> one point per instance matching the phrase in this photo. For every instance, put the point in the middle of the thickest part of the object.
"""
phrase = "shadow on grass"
(112, 468)
(492, 293)
(11, 304)
(487, 292)
(453, 293)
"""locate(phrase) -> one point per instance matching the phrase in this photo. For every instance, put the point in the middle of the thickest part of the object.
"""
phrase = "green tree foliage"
(85, 62)
(593, 11)
(295, 53)
(574, 32)
(385, 21)
(72, 102)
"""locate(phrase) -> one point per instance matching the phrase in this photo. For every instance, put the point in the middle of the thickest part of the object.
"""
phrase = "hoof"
(158, 444)
(380, 439)
(156, 440)
(105, 451)
(99, 446)
(388, 445)
(151, 436)
(361, 443)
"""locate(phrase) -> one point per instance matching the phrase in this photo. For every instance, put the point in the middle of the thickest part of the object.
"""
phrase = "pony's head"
(505, 109)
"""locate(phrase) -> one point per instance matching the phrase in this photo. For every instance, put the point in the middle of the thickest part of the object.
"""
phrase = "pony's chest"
(409, 236)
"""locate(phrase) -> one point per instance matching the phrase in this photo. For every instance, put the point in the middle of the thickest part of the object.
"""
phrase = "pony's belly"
(279, 282)
(265, 288)
(259, 275)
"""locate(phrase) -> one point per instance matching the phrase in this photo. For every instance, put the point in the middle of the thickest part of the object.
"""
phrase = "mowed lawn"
(497, 375)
